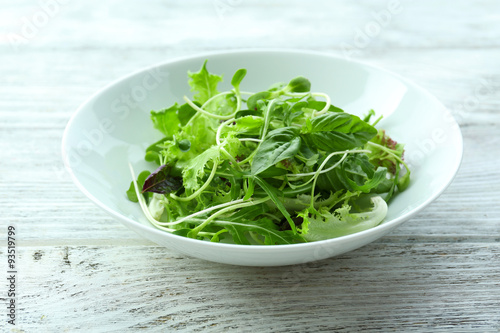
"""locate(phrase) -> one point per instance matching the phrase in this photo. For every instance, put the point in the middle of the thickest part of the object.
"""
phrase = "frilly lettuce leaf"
(324, 224)
(194, 169)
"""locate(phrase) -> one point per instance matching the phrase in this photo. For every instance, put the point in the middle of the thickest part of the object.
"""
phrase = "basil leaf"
(355, 174)
(280, 144)
(335, 131)
(160, 181)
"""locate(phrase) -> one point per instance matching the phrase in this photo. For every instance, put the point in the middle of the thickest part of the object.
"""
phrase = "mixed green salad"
(279, 166)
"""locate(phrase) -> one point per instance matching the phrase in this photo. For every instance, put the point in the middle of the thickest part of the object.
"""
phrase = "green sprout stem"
(200, 190)
(248, 203)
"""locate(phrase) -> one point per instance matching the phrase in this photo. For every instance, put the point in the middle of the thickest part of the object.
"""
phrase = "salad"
(279, 166)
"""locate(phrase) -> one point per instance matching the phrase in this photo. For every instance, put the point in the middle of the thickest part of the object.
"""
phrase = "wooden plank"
(207, 24)
(424, 286)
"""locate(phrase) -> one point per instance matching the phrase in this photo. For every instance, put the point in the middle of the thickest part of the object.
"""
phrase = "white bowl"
(113, 128)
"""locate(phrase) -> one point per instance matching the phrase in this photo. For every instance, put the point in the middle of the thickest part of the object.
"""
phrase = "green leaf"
(248, 125)
(186, 112)
(204, 84)
(153, 152)
(378, 177)
(250, 189)
(237, 78)
(166, 120)
(356, 173)
(380, 156)
(244, 113)
(335, 131)
(194, 169)
(237, 231)
(275, 195)
(373, 176)
(262, 226)
(404, 182)
(263, 95)
(299, 84)
(141, 178)
(325, 225)
(368, 116)
(319, 105)
(223, 105)
(279, 144)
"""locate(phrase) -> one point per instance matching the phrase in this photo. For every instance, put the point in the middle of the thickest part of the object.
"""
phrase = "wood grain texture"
(80, 270)
(416, 286)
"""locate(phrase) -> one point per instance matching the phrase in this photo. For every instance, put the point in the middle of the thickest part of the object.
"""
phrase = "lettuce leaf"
(194, 169)
(323, 224)
(204, 84)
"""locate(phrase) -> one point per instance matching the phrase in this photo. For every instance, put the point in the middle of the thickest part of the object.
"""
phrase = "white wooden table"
(78, 269)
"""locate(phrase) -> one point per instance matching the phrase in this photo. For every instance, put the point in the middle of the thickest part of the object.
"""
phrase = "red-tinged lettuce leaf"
(160, 181)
